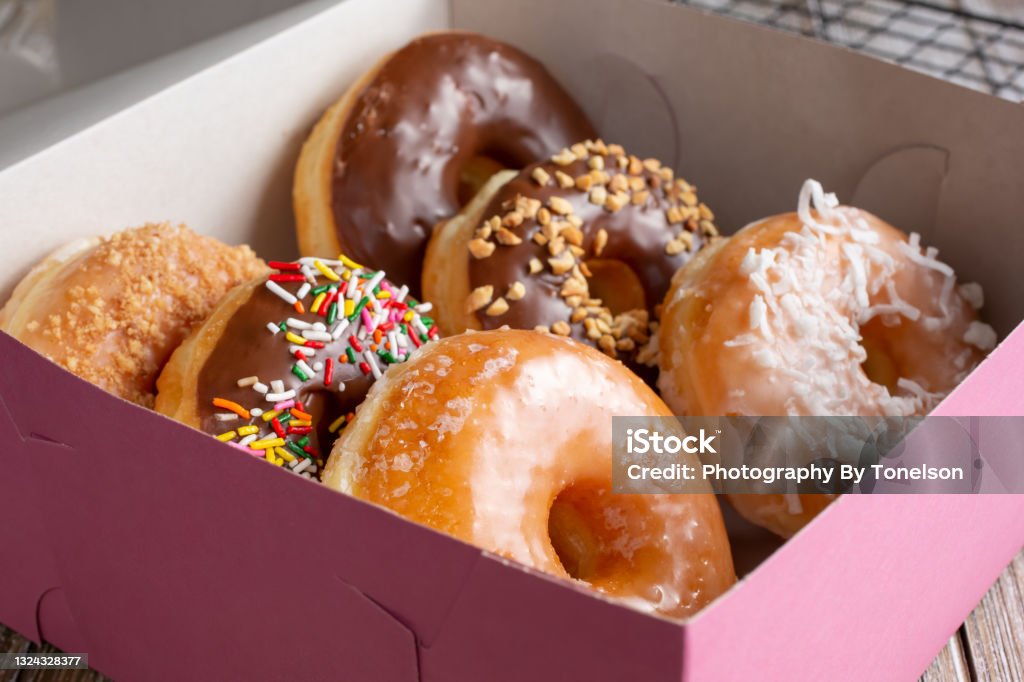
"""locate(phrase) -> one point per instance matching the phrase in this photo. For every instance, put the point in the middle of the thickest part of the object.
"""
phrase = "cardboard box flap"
(919, 172)
(56, 623)
(25, 557)
(848, 583)
(538, 628)
(147, 537)
(748, 113)
(155, 520)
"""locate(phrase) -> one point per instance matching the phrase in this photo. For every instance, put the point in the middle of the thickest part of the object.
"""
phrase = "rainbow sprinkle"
(347, 303)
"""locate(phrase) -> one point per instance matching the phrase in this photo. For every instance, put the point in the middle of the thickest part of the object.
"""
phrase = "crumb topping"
(123, 307)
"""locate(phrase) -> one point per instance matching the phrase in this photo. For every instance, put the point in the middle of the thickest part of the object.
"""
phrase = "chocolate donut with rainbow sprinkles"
(282, 364)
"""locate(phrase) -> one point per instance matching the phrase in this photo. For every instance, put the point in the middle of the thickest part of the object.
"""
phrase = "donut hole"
(475, 173)
(589, 528)
(572, 535)
(879, 366)
(616, 284)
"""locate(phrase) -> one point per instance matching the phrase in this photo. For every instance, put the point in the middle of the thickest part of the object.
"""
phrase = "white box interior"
(734, 113)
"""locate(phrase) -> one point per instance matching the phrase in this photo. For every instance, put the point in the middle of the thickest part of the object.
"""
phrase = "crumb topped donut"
(279, 368)
(112, 310)
(582, 245)
(823, 312)
(418, 135)
(503, 439)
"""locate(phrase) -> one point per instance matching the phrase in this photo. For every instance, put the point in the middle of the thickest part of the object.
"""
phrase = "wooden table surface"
(988, 647)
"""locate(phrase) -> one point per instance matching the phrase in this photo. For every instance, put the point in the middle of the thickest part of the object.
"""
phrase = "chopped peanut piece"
(541, 176)
(516, 291)
(479, 297)
(565, 180)
(481, 248)
(562, 264)
(507, 237)
(499, 307)
(564, 157)
(584, 182)
(560, 206)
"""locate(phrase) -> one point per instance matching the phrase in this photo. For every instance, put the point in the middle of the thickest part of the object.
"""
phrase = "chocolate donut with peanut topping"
(582, 245)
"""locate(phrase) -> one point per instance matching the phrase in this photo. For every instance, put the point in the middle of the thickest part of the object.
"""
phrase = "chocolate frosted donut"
(582, 245)
(284, 361)
(427, 124)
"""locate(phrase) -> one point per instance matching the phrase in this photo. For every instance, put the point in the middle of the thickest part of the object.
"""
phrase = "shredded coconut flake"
(973, 294)
(855, 256)
(912, 249)
(757, 261)
(981, 336)
(928, 259)
(758, 309)
(766, 357)
(742, 340)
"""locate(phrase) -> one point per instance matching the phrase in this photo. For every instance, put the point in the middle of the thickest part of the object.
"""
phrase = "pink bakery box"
(163, 554)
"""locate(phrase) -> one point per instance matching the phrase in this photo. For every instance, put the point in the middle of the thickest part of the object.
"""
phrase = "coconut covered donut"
(821, 312)
(503, 439)
(415, 137)
(280, 366)
(112, 310)
(583, 244)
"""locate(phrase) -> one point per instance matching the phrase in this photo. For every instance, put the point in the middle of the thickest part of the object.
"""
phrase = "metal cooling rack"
(976, 43)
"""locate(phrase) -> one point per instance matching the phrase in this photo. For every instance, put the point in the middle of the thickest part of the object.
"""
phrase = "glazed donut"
(416, 136)
(503, 439)
(821, 312)
(111, 310)
(281, 365)
(584, 245)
